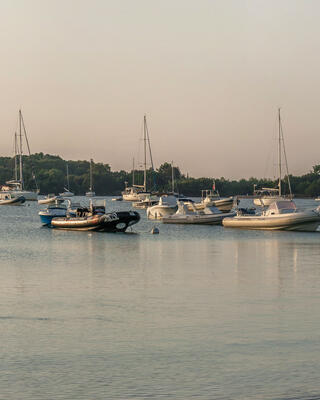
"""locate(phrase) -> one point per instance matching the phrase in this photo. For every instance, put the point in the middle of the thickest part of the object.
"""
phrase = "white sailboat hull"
(130, 197)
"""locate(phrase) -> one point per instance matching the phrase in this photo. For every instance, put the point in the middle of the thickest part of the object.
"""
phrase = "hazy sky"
(208, 74)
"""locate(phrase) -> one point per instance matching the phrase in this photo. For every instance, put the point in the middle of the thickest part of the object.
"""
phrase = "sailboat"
(266, 196)
(131, 193)
(67, 192)
(281, 213)
(91, 193)
(139, 192)
(16, 187)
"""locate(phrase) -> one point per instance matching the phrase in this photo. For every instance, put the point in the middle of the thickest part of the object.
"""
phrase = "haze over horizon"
(210, 76)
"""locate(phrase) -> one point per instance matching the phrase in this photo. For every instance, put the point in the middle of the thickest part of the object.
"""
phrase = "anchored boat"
(148, 201)
(91, 193)
(266, 196)
(51, 199)
(211, 197)
(139, 192)
(6, 199)
(167, 206)
(16, 187)
(209, 216)
(52, 211)
(280, 215)
(95, 218)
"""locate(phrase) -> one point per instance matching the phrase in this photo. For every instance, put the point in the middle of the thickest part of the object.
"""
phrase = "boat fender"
(155, 231)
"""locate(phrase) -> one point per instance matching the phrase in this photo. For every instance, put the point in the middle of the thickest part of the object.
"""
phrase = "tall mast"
(285, 158)
(279, 117)
(145, 153)
(20, 152)
(90, 189)
(150, 155)
(68, 186)
(172, 176)
(133, 171)
(15, 157)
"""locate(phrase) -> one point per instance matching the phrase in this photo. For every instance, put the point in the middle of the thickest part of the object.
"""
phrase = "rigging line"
(285, 158)
(15, 157)
(27, 141)
(151, 159)
(149, 145)
(270, 162)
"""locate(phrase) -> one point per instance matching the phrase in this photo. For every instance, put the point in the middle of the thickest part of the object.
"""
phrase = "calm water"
(193, 313)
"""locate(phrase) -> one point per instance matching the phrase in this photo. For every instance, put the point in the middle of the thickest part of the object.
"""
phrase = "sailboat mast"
(150, 155)
(172, 177)
(15, 157)
(20, 150)
(285, 158)
(90, 175)
(133, 171)
(22, 125)
(68, 186)
(279, 117)
(145, 153)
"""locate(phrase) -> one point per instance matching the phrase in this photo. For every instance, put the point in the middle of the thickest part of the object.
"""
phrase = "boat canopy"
(211, 210)
(168, 200)
(282, 207)
(183, 209)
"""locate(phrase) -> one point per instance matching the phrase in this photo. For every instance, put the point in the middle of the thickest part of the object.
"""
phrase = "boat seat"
(82, 211)
(98, 210)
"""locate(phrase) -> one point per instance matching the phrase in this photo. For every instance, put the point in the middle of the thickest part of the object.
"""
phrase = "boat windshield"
(282, 207)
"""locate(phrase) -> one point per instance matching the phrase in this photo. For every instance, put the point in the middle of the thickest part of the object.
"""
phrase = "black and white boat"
(95, 218)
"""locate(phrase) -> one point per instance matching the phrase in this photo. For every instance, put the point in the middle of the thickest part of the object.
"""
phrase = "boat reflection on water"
(273, 263)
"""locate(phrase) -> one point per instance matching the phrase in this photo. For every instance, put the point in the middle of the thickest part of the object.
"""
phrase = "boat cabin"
(281, 207)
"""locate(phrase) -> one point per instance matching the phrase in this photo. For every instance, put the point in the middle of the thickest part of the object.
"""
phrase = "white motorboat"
(90, 193)
(167, 206)
(148, 201)
(280, 215)
(266, 196)
(7, 199)
(211, 198)
(208, 216)
(51, 199)
(52, 211)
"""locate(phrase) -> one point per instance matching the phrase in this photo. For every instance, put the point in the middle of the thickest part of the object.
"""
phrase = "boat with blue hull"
(52, 211)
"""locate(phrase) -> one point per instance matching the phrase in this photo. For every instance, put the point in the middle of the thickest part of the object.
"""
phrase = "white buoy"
(155, 230)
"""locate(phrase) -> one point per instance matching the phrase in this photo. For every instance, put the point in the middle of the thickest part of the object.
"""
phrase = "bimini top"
(281, 207)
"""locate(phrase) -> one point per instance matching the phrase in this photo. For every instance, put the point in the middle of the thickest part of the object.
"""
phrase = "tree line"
(50, 176)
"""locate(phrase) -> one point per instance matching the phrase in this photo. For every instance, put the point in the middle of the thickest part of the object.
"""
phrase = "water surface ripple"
(192, 313)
